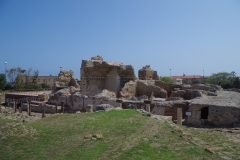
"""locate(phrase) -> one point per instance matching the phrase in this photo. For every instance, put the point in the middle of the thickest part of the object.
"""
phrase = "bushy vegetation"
(224, 79)
(16, 76)
(166, 79)
(3, 81)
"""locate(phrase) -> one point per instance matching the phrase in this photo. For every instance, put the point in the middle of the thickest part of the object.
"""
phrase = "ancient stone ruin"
(107, 85)
(146, 73)
(65, 79)
(97, 75)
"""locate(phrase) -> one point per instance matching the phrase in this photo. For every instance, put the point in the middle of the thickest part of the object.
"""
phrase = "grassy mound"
(127, 135)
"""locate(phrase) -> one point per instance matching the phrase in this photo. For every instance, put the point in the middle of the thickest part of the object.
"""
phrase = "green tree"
(13, 75)
(44, 85)
(166, 79)
(35, 76)
(8, 86)
(3, 81)
(224, 79)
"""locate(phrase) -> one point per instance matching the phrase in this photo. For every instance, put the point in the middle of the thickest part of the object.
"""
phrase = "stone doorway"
(204, 113)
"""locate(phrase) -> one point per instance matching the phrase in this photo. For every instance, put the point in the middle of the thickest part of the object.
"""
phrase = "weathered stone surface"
(106, 93)
(66, 78)
(43, 97)
(211, 93)
(220, 110)
(148, 89)
(39, 108)
(187, 94)
(97, 75)
(98, 58)
(174, 98)
(146, 73)
(140, 87)
(169, 108)
(129, 90)
(205, 87)
(103, 107)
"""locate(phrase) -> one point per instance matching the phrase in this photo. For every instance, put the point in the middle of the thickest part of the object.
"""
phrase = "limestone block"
(89, 108)
(43, 97)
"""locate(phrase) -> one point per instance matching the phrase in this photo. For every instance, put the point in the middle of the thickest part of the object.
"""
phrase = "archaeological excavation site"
(106, 85)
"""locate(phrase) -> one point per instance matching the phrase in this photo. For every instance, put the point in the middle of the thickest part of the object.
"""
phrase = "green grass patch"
(127, 135)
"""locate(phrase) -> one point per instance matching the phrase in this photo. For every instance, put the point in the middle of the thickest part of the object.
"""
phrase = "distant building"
(40, 79)
(191, 79)
(177, 81)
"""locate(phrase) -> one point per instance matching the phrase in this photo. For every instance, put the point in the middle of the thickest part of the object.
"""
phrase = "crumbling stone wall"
(66, 78)
(76, 101)
(38, 108)
(97, 75)
(129, 90)
(170, 108)
(146, 73)
(187, 94)
(140, 87)
(146, 88)
(167, 86)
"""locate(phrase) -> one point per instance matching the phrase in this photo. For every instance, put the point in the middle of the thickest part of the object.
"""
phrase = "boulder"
(103, 107)
(106, 93)
(211, 93)
(43, 97)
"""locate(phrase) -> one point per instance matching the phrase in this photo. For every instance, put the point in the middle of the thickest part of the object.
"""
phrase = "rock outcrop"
(66, 78)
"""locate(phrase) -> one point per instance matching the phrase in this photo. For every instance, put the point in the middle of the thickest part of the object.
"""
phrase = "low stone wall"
(38, 108)
(78, 102)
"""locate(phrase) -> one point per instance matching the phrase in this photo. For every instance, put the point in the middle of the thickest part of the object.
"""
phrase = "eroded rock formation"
(66, 78)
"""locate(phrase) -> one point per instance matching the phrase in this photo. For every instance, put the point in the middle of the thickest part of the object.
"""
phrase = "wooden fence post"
(43, 113)
(20, 108)
(29, 108)
(62, 107)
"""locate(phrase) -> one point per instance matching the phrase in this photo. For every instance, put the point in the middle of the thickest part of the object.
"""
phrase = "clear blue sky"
(184, 35)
